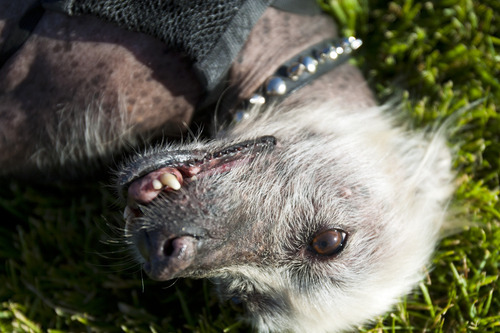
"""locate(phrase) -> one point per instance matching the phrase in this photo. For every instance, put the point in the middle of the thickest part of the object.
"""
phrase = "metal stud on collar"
(274, 86)
(309, 63)
(305, 67)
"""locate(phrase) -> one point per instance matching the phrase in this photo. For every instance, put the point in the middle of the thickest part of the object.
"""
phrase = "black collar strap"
(298, 71)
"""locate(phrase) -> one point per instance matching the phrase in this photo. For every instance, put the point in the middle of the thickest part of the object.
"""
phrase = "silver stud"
(350, 44)
(346, 45)
(339, 49)
(295, 70)
(310, 64)
(257, 99)
(275, 86)
(355, 43)
(328, 53)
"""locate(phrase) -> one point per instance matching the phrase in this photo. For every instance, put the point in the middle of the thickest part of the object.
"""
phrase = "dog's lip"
(145, 164)
(188, 163)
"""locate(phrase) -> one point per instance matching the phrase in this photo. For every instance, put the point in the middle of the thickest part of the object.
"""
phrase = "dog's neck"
(283, 35)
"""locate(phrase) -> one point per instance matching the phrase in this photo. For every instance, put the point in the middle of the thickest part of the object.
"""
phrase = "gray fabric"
(302, 7)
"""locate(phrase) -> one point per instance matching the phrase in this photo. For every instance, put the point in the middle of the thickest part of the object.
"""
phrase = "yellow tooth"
(170, 180)
(157, 185)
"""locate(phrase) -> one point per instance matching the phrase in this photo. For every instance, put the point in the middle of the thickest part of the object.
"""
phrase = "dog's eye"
(329, 242)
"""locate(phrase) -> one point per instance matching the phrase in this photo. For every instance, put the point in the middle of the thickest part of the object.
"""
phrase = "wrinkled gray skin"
(325, 161)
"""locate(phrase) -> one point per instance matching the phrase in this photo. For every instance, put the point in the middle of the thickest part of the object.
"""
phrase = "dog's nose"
(165, 256)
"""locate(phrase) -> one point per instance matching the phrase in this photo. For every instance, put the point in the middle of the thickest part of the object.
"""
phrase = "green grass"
(65, 270)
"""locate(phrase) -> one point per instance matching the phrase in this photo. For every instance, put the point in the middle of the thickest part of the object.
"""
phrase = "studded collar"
(298, 71)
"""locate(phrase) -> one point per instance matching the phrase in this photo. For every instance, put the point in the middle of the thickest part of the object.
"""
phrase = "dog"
(314, 210)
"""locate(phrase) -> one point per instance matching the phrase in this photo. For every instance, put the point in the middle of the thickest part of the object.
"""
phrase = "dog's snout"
(165, 256)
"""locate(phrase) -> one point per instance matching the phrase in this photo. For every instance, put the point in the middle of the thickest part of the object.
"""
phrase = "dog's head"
(312, 223)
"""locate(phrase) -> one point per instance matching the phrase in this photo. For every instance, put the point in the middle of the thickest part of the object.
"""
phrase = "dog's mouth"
(145, 178)
(170, 248)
